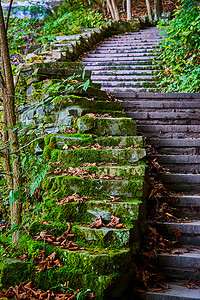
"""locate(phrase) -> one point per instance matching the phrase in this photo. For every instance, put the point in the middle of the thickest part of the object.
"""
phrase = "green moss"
(107, 126)
(77, 279)
(14, 272)
(50, 143)
(79, 156)
(63, 186)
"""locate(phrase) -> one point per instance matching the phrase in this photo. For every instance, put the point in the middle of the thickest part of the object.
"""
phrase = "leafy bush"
(180, 50)
(72, 21)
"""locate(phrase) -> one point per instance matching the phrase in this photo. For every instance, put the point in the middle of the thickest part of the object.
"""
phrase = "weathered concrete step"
(188, 206)
(122, 77)
(175, 131)
(179, 163)
(176, 146)
(124, 72)
(120, 59)
(176, 291)
(182, 182)
(119, 53)
(129, 89)
(189, 232)
(160, 96)
(103, 47)
(134, 39)
(164, 105)
(180, 178)
(115, 63)
(118, 67)
(162, 115)
(131, 83)
(183, 266)
(131, 43)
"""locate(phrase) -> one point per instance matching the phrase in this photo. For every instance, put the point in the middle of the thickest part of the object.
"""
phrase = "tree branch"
(8, 15)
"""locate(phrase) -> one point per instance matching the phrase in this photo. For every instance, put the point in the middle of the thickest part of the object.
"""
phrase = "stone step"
(165, 105)
(123, 72)
(61, 141)
(131, 43)
(138, 83)
(122, 51)
(183, 266)
(124, 63)
(176, 146)
(188, 206)
(182, 182)
(126, 78)
(123, 54)
(128, 89)
(95, 188)
(118, 67)
(81, 155)
(179, 163)
(121, 59)
(159, 96)
(189, 232)
(103, 237)
(176, 291)
(106, 126)
(105, 48)
(170, 131)
(164, 116)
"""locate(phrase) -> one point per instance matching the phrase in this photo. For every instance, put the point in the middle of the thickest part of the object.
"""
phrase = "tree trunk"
(113, 9)
(128, 9)
(109, 6)
(158, 9)
(149, 10)
(9, 109)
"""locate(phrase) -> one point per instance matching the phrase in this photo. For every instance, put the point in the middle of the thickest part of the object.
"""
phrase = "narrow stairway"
(126, 62)
(124, 66)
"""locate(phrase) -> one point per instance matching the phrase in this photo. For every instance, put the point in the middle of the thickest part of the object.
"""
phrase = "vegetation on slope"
(180, 50)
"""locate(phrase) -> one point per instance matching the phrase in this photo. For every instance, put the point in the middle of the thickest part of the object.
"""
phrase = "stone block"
(107, 126)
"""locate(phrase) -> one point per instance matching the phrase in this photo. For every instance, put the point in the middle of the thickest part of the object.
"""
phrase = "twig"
(8, 15)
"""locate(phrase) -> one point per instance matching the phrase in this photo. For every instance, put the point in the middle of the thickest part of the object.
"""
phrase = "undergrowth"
(180, 50)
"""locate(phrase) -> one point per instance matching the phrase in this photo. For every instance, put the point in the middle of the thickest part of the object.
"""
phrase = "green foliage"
(72, 21)
(180, 50)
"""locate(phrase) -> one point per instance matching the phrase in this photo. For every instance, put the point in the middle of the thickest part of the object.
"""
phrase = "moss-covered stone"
(63, 186)
(80, 155)
(104, 237)
(89, 105)
(107, 126)
(13, 272)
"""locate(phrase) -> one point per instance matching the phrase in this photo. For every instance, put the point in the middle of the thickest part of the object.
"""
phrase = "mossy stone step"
(107, 126)
(138, 172)
(103, 237)
(80, 155)
(88, 105)
(127, 210)
(63, 186)
(60, 141)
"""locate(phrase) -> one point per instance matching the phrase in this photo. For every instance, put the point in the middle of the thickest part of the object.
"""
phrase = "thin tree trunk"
(115, 10)
(109, 6)
(128, 9)
(149, 10)
(11, 123)
(158, 9)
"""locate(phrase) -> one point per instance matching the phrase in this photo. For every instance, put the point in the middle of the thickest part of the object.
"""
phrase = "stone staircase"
(126, 63)
(170, 122)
